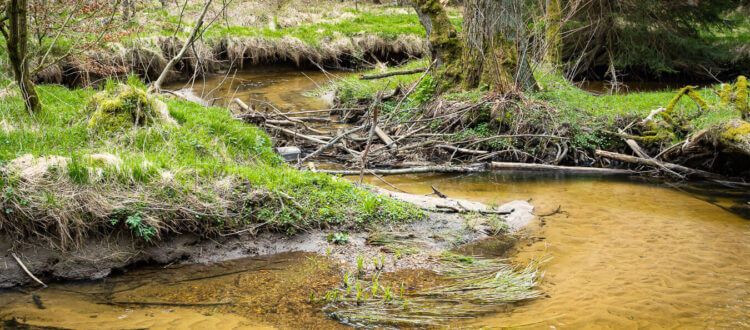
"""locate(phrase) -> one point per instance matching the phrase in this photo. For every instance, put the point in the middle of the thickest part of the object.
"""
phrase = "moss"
(740, 101)
(122, 107)
(736, 131)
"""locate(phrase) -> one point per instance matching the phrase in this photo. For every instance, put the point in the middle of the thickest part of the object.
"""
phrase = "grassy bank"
(65, 178)
(329, 33)
(559, 123)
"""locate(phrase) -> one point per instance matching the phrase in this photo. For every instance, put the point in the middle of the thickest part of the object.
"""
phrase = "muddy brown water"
(624, 254)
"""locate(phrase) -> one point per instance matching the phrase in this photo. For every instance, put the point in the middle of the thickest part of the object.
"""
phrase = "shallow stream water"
(622, 253)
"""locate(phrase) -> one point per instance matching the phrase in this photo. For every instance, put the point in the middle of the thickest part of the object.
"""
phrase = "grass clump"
(208, 174)
(467, 286)
(121, 106)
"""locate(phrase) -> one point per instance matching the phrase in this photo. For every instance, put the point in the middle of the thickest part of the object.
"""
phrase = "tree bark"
(16, 37)
(445, 46)
(491, 51)
(554, 25)
(495, 46)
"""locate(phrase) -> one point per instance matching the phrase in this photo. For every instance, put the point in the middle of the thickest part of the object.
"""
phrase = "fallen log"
(390, 74)
(656, 163)
(557, 168)
(413, 170)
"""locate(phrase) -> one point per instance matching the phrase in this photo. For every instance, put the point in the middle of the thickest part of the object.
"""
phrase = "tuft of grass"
(479, 284)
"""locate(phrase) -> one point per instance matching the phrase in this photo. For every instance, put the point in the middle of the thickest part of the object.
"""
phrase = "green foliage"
(339, 238)
(79, 173)
(657, 37)
(424, 90)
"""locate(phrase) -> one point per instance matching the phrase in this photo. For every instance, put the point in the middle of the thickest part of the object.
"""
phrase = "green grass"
(207, 148)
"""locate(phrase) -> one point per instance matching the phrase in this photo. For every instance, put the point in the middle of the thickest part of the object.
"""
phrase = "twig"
(376, 110)
(437, 192)
(27, 270)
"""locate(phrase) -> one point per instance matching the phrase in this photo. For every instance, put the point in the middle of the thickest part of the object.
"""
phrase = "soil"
(421, 241)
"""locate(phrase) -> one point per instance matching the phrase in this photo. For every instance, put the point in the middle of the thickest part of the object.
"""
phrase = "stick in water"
(27, 270)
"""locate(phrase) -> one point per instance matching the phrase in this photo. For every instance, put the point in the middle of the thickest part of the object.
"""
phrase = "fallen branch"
(556, 168)
(437, 192)
(295, 134)
(656, 163)
(392, 73)
(331, 143)
(464, 150)
(172, 304)
(453, 209)
(27, 270)
(413, 170)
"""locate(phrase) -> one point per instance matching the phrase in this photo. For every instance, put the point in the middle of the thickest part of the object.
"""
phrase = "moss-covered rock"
(126, 106)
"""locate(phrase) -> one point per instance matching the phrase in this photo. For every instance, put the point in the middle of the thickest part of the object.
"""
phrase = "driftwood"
(437, 192)
(27, 270)
(464, 150)
(390, 74)
(656, 163)
(556, 168)
(385, 138)
(374, 125)
(413, 170)
(295, 134)
(453, 209)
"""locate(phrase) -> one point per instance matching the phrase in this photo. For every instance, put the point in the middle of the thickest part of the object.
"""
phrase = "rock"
(289, 153)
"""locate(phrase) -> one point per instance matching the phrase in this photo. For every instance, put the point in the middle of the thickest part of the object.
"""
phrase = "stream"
(623, 253)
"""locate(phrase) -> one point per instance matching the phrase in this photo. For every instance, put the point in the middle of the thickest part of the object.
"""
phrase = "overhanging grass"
(211, 174)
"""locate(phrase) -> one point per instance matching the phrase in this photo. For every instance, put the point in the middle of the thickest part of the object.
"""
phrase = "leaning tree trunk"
(445, 46)
(16, 38)
(495, 49)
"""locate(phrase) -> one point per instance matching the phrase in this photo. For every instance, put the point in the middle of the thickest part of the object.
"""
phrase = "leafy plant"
(339, 238)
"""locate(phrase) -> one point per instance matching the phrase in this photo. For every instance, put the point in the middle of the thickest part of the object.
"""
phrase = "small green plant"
(141, 229)
(360, 264)
(339, 238)
(78, 172)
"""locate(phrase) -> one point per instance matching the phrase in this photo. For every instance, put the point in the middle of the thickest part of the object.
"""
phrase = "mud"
(98, 258)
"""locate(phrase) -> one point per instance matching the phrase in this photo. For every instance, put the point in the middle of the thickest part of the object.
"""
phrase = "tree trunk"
(495, 46)
(445, 46)
(492, 50)
(16, 37)
(554, 22)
